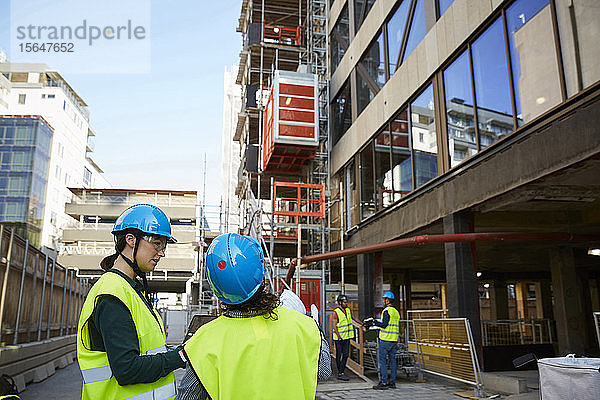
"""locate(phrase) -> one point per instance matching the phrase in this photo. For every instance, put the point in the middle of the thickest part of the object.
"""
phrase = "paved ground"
(65, 384)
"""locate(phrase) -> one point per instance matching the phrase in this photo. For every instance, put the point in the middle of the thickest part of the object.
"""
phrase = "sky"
(154, 129)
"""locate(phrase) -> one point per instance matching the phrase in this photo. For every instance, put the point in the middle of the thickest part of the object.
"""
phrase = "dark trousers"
(342, 350)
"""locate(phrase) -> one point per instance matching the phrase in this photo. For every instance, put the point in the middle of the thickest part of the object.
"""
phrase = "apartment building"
(37, 99)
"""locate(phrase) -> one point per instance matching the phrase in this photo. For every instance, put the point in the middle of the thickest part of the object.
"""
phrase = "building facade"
(87, 239)
(35, 90)
(452, 117)
(230, 153)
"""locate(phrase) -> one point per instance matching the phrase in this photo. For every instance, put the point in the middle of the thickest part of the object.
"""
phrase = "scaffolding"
(284, 191)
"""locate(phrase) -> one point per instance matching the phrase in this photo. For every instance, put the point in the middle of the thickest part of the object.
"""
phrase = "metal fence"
(40, 299)
(518, 331)
(427, 314)
(445, 347)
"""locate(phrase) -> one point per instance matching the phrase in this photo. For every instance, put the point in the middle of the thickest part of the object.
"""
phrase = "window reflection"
(462, 142)
(341, 113)
(418, 29)
(424, 140)
(401, 159)
(339, 39)
(367, 190)
(492, 88)
(443, 6)
(361, 9)
(395, 32)
(370, 73)
(383, 172)
(533, 58)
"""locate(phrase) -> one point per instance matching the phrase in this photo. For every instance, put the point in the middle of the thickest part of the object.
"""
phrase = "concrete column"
(365, 267)
(498, 299)
(407, 294)
(463, 298)
(378, 281)
(543, 299)
(568, 309)
(521, 300)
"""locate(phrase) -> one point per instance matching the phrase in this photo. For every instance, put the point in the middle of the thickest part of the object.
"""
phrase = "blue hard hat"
(235, 267)
(146, 218)
(389, 295)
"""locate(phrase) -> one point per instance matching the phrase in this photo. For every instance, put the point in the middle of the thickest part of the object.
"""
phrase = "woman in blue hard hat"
(389, 331)
(121, 343)
(256, 349)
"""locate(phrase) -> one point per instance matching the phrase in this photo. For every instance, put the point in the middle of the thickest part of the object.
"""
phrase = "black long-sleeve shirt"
(112, 330)
(385, 320)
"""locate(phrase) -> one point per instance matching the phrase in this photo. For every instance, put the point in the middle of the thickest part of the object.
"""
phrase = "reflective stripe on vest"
(162, 393)
(391, 332)
(99, 381)
(344, 325)
(257, 357)
(92, 375)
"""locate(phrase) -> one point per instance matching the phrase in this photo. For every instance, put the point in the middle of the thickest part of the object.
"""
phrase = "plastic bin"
(569, 378)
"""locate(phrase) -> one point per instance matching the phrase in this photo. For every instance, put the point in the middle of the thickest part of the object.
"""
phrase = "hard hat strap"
(134, 265)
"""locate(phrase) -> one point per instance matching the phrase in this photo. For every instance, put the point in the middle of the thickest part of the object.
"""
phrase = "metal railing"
(45, 298)
(427, 314)
(518, 331)
(98, 197)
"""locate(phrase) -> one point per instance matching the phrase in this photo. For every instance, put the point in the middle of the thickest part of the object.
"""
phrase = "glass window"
(22, 99)
(339, 39)
(401, 157)
(361, 9)
(395, 32)
(533, 58)
(418, 29)
(443, 6)
(383, 171)
(341, 109)
(459, 110)
(492, 88)
(370, 73)
(367, 189)
(351, 195)
(424, 138)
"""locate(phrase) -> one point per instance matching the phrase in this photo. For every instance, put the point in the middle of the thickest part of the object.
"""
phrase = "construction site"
(445, 151)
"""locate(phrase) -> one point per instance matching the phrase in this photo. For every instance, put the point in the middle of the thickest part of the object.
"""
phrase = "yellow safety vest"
(344, 325)
(256, 357)
(391, 332)
(98, 380)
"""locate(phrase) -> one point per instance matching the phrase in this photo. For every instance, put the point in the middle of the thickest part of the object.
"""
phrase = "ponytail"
(120, 243)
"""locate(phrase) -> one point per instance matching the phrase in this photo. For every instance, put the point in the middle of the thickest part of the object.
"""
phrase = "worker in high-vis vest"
(389, 332)
(121, 342)
(343, 331)
(256, 349)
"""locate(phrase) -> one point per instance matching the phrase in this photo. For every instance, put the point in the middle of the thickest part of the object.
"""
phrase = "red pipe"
(458, 237)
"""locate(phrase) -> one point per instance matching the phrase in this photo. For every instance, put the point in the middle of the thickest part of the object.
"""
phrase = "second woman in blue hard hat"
(257, 349)
(121, 341)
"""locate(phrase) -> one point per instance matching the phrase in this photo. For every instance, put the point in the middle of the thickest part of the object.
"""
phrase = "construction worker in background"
(256, 349)
(389, 331)
(121, 343)
(343, 331)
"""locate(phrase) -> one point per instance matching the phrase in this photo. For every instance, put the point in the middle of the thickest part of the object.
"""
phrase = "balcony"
(99, 232)
(110, 203)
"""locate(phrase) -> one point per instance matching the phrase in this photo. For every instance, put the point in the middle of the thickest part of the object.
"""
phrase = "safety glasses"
(159, 244)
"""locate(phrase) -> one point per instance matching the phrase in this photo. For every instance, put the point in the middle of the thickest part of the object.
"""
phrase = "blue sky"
(154, 129)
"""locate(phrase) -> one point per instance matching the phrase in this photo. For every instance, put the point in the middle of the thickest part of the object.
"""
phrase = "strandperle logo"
(90, 33)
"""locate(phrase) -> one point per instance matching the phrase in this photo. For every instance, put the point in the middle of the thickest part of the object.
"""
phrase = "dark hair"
(120, 243)
(262, 302)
